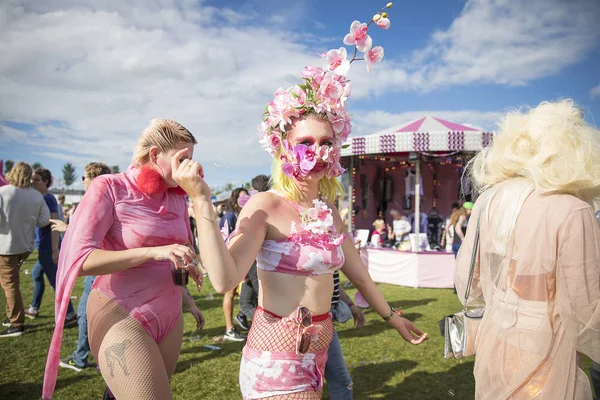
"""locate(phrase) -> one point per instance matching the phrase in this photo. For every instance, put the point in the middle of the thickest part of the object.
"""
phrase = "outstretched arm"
(226, 267)
(356, 271)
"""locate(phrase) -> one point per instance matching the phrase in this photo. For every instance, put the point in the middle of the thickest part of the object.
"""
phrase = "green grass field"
(382, 365)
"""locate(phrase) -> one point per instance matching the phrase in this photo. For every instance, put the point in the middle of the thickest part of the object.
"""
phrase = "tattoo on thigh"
(115, 354)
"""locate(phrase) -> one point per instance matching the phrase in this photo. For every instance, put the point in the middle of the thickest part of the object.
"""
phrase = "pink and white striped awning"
(426, 134)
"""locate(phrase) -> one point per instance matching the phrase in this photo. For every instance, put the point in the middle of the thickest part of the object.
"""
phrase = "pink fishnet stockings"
(272, 333)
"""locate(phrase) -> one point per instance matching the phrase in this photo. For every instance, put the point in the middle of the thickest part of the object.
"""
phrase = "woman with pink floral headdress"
(294, 232)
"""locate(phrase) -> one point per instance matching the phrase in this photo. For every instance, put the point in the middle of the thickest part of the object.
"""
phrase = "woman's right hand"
(190, 176)
(179, 254)
(408, 330)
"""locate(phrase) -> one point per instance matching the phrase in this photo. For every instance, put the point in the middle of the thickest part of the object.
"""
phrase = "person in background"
(336, 374)
(22, 208)
(78, 360)
(448, 234)
(379, 236)
(537, 266)
(401, 227)
(249, 291)
(227, 225)
(47, 243)
(61, 206)
(459, 221)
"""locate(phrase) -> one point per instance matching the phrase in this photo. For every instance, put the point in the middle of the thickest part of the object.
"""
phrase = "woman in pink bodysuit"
(131, 230)
(295, 234)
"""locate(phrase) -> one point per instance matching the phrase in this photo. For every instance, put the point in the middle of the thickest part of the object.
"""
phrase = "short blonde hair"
(95, 169)
(379, 223)
(329, 188)
(20, 175)
(550, 145)
(162, 133)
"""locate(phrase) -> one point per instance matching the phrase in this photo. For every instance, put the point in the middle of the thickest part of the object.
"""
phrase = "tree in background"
(115, 169)
(69, 176)
(247, 186)
(36, 165)
(8, 165)
(228, 187)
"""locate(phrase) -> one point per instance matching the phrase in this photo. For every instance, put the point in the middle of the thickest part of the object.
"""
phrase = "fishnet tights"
(272, 333)
(132, 364)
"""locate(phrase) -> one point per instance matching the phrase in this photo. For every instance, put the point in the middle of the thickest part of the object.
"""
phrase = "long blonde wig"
(550, 148)
(550, 145)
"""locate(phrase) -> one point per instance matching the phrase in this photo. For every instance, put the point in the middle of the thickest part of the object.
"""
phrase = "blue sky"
(84, 78)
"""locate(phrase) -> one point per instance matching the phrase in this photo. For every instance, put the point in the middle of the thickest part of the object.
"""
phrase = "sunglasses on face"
(303, 338)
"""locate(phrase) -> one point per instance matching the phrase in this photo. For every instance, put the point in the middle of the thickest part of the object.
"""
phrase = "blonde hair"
(95, 169)
(550, 145)
(20, 175)
(379, 223)
(329, 188)
(162, 133)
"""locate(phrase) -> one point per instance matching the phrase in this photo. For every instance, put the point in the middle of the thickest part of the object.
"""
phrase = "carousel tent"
(378, 158)
(427, 135)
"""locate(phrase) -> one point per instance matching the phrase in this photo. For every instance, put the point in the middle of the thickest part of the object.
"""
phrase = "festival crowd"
(527, 248)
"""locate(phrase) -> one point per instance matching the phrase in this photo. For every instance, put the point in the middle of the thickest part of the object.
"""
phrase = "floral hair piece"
(324, 91)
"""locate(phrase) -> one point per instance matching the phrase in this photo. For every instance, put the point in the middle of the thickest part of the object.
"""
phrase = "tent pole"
(351, 194)
(418, 197)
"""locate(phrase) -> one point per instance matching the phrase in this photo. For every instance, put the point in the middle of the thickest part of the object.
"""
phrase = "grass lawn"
(382, 365)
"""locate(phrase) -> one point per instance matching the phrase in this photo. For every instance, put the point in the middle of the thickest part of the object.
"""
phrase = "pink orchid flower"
(330, 87)
(373, 56)
(358, 37)
(287, 169)
(305, 158)
(337, 61)
(323, 214)
(312, 72)
(383, 23)
(334, 170)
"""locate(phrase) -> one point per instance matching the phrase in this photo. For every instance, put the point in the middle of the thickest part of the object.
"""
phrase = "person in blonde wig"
(537, 269)
(131, 230)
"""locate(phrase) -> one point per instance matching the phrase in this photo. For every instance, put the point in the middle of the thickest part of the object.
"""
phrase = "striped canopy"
(426, 134)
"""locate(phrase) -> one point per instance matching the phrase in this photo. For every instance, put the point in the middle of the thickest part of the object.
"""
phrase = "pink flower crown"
(324, 91)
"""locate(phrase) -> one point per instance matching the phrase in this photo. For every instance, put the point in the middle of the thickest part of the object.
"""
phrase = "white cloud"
(500, 42)
(88, 76)
(368, 122)
(104, 69)
(595, 92)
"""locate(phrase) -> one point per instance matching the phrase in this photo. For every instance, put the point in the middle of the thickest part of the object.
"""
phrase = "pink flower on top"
(358, 37)
(337, 61)
(383, 23)
(298, 97)
(373, 56)
(312, 72)
(281, 109)
(330, 87)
